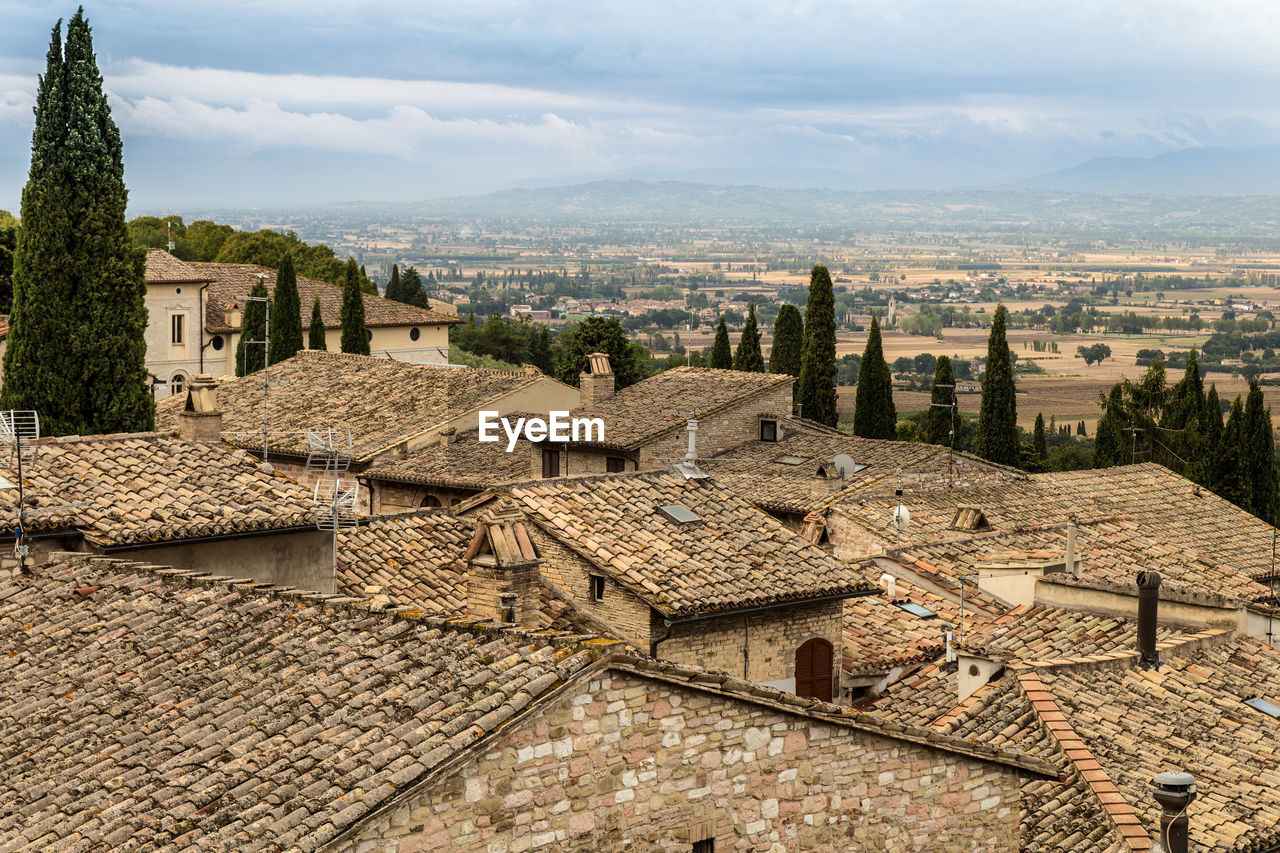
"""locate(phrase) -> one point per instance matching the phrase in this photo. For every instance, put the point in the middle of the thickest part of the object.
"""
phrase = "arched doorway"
(813, 669)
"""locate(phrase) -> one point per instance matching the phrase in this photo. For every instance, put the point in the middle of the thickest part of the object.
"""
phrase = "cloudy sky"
(270, 103)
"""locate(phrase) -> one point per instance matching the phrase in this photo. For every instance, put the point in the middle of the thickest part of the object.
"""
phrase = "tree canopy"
(941, 400)
(816, 389)
(998, 415)
(874, 415)
(788, 341)
(253, 331)
(286, 314)
(355, 335)
(316, 333)
(748, 356)
(606, 335)
(721, 352)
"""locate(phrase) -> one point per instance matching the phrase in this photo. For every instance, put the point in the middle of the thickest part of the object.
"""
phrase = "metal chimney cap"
(1175, 779)
(1149, 580)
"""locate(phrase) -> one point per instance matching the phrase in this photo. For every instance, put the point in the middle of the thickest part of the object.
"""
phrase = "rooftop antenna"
(901, 515)
(330, 452)
(18, 428)
(169, 229)
(265, 343)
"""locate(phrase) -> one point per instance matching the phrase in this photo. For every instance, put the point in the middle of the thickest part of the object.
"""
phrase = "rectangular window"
(768, 430)
(550, 463)
(706, 845)
(615, 464)
(597, 587)
(177, 324)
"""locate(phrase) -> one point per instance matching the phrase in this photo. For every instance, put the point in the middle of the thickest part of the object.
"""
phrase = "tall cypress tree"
(1038, 446)
(315, 334)
(874, 415)
(1230, 469)
(721, 354)
(1260, 456)
(411, 292)
(286, 313)
(76, 351)
(816, 390)
(1109, 448)
(393, 286)
(938, 424)
(748, 357)
(788, 341)
(998, 416)
(355, 337)
(253, 331)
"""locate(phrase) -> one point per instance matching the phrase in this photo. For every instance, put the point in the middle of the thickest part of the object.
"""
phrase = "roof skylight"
(915, 609)
(790, 460)
(1264, 706)
(680, 514)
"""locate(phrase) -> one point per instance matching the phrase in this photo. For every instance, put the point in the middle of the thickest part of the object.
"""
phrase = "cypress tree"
(748, 357)
(816, 390)
(540, 349)
(788, 341)
(1108, 448)
(721, 355)
(393, 286)
(874, 415)
(1230, 469)
(315, 335)
(1038, 446)
(1260, 456)
(8, 242)
(76, 351)
(355, 337)
(998, 417)
(253, 331)
(366, 283)
(1212, 426)
(411, 292)
(939, 422)
(286, 313)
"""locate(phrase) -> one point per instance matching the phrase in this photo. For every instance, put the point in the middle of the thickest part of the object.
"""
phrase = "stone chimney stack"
(596, 383)
(201, 419)
(502, 569)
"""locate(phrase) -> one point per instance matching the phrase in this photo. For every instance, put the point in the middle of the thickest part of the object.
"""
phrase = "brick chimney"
(201, 419)
(502, 569)
(597, 381)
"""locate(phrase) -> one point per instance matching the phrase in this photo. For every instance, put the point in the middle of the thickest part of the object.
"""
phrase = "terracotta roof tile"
(164, 268)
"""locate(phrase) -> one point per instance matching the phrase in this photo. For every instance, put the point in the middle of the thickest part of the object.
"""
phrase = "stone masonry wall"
(727, 428)
(636, 764)
(772, 637)
(389, 496)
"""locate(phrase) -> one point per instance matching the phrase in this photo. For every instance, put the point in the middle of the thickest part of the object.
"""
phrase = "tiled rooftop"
(466, 462)
(639, 413)
(164, 268)
(143, 487)
(731, 557)
(382, 402)
(880, 633)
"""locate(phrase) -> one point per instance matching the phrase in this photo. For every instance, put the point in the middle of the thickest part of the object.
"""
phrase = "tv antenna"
(329, 452)
(19, 428)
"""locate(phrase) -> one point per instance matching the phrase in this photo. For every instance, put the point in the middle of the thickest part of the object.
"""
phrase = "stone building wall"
(389, 497)
(770, 637)
(635, 763)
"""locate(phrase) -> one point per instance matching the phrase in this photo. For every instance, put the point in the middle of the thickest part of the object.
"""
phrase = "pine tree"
(998, 416)
(253, 331)
(286, 313)
(366, 283)
(393, 285)
(540, 349)
(411, 292)
(788, 341)
(355, 337)
(874, 415)
(748, 357)
(1108, 448)
(816, 388)
(1038, 446)
(315, 335)
(76, 351)
(1260, 456)
(721, 354)
(1230, 468)
(939, 422)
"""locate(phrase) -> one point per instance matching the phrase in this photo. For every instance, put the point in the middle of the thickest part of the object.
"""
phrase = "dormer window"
(768, 430)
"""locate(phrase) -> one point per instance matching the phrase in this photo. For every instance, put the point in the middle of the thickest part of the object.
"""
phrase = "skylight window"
(790, 460)
(680, 514)
(1264, 706)
(915, 609)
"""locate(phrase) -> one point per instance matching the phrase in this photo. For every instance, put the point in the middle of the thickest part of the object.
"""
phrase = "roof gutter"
(668, 621)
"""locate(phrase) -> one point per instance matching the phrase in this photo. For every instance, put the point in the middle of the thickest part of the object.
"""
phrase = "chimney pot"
(201, 419)
(1148, 616)
(1174, 791)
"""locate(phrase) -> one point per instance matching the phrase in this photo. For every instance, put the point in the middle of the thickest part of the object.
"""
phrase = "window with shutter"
(550, 463)
(813, 669)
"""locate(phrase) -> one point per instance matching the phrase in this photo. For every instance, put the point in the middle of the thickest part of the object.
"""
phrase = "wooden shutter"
(550, 463)
(813, 669)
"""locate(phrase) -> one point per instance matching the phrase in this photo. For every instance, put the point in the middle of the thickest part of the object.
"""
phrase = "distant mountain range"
(1190, 172)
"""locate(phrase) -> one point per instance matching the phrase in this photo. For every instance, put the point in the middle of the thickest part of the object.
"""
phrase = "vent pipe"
(1071, 567)
(1148, 614)
(890, 584)
(1174, 791)
(689, 467)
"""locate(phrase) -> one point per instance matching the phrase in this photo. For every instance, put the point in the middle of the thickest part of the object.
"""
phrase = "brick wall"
(771, 639)
(853, 541)
(632, 763)
(487, 583)
(727, 428)
(388, 496)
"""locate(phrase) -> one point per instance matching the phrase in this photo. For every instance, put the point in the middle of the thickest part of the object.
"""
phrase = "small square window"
(597, 587)
(615, 464)
(768, 430)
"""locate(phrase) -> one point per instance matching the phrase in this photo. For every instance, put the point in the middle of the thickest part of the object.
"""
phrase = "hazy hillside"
(1194, 171)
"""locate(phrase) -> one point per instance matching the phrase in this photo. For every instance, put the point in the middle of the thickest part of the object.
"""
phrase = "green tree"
(366, 283)
(355, 337)
(816, 388)
(599, 334)
(315, 334)
(253, 331)
(1260, 456)
(874, 415)
(76, 351)
(205, 239)
(1109, 448)
(393, 284)
(721, 353)
(286, 314)
(788, 341)
(748, 357)
(998, 415)
(1038, 447)
(8, 243)
(540, 349)
(411, 292)
(941, 401)
(1230, 469)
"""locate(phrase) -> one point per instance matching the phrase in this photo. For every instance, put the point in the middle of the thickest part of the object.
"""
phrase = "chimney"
(502, 569)
(1148, 613)
(1174, 791)
(201, 420)
(815, 528)
(1072, 568)
(448, 436)
(596, 382)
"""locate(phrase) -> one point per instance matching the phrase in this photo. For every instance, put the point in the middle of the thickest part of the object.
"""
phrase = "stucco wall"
(303, 559)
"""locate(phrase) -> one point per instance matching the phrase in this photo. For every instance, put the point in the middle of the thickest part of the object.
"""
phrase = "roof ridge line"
(1180, 644)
